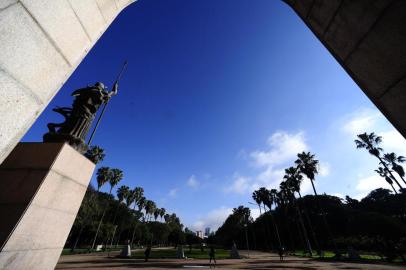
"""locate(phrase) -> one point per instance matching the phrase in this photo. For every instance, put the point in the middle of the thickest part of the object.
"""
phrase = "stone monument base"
(41, 189)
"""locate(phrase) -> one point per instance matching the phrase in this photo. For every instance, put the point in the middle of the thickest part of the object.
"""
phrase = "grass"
(160, 253)
(171, 253)
(364, 256)
(68, 251)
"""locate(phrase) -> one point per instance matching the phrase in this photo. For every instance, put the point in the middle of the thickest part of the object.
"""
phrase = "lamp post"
(246, 238)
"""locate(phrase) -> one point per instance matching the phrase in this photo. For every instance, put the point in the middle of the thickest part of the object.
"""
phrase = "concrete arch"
(368, 39)
(41, 44)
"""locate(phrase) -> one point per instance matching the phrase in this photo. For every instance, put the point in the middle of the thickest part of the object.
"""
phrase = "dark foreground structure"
(368, 39)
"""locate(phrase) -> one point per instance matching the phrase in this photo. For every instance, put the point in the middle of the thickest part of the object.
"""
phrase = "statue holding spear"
(79, 118)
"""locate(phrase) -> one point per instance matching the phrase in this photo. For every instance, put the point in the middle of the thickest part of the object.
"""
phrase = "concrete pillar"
(41, 44)
(41, 189)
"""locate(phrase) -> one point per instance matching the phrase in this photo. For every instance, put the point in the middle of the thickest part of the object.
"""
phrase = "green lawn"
(171, 253)
(162, 253)
(329, 255)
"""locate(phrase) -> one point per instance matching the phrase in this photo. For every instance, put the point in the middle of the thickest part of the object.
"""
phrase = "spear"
(114, 92)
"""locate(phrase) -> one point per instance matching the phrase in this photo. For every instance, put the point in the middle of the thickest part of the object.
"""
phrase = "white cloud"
(306, 186)
(363, 120)
(173, 192)
(324, 169)
(339, 195)
(254, 213)
(240, 185)
(193, 182)
(371, 120)
(392, 141)
(369, 183)
(269, 178)
(282, 147)
(215, 218)
(281, 151)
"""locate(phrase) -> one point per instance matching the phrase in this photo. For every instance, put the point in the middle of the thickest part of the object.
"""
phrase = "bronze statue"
(79, 118)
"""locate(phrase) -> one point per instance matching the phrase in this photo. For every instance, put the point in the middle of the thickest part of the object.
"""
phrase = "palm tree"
(385, 174)
(371, 143)
(162, 212)
(150, 207)
(138, 194)
(288, 192)
(115, 176)
(103, 176)
(122, 194)
(263, 195)
(293, 179)
(156, 213)
(394, 161)
(307, 165)
(167, 217)
(141, 203)
(257, 198)
(95, 154)
(269, 200)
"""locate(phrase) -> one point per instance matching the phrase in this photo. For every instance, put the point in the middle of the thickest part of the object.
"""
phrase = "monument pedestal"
(41, 189)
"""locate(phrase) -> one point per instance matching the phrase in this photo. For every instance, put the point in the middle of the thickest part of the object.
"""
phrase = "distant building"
(199, 234)
(207, 232)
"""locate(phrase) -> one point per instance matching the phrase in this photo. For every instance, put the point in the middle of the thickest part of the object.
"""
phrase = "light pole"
(246, 238)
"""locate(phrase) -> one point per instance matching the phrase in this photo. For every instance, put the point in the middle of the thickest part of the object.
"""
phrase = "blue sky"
(218, 98)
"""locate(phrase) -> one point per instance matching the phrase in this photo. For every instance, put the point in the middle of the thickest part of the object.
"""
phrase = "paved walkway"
(257, 260)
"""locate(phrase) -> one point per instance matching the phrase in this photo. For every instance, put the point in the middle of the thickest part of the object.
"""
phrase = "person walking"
(147, 253)
(281, 252)
(212, 255)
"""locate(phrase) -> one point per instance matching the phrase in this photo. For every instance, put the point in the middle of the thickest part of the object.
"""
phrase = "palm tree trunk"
(309, 223)
(394, 189)
(276, 229)
(114, 221)
(98, 229)
(314, 189)
(77, 238)
(391, 174)
(401, 177)
(299, 214)
(135, 226)
(100, 223)
(323, 217)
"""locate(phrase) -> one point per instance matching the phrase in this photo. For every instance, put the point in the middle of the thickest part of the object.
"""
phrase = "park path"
(257, 261)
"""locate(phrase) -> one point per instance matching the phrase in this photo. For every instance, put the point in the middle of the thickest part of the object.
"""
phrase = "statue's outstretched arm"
(115, 90)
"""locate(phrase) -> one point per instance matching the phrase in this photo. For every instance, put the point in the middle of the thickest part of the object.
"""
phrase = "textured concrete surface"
(368, 38)
(257, 260)
(41, 189)
(41, 44)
